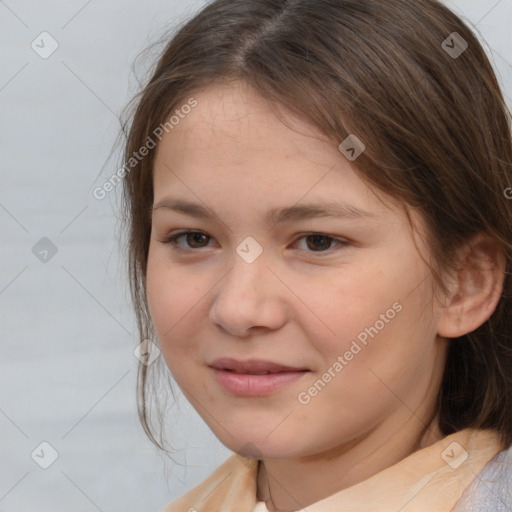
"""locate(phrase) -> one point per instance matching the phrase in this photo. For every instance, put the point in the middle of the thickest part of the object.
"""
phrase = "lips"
(253, 366)
(254, 378)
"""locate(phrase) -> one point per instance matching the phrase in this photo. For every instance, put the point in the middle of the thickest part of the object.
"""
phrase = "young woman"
(320, 242)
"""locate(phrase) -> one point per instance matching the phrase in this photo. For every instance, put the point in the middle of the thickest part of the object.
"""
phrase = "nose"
(249, 299)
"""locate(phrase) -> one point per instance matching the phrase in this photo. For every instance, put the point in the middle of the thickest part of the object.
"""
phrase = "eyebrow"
(276, 215)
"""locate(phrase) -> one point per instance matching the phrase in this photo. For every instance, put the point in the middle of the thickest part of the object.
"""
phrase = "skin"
(299, 303)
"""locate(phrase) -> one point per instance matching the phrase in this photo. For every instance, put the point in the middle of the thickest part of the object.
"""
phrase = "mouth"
(254, 377)
(254, 367)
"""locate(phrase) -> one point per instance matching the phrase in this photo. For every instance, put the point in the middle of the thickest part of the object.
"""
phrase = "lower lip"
(241, 384)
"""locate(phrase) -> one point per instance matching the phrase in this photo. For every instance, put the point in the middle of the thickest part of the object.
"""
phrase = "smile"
(252, 384)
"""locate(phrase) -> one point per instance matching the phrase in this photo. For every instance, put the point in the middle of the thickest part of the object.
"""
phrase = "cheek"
(370, 315)
(157, 291)
(172, 296)
(387, 345)
(347, 303)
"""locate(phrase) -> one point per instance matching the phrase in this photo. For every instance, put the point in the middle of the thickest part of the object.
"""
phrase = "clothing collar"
(432, 478)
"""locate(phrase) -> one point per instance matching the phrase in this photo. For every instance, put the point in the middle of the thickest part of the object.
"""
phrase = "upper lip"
(253, 366)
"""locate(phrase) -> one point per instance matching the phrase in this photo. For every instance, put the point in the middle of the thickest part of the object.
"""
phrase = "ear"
(476, 287)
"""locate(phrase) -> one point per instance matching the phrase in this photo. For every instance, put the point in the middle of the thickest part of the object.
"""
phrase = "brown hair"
(436, 130)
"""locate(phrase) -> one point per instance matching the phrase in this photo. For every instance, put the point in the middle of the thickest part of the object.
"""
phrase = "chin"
(260, 447)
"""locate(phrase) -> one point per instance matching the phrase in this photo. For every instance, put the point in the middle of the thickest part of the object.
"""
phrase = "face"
(329, 293)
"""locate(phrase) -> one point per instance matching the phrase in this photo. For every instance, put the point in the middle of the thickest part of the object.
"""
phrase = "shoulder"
(491, 490)
(233, 483)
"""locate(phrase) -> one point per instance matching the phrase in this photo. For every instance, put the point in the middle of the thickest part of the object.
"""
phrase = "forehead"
(228, 116)
(233, 129)
(232, 144)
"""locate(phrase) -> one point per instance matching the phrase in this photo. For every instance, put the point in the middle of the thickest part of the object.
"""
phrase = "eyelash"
(172, 240)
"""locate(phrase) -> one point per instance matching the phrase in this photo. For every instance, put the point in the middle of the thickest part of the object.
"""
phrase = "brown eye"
(319, 242)
(194, 240)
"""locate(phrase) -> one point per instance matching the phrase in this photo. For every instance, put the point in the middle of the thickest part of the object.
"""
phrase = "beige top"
(429, 480)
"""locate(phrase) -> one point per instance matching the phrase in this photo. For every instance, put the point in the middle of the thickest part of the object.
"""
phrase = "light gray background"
(67, 369)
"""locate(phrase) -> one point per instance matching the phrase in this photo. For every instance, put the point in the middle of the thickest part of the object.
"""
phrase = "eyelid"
(340, 242)
(172, 238)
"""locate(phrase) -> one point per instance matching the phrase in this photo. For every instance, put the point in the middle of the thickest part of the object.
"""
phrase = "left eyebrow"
(276, 215)
(311, 211)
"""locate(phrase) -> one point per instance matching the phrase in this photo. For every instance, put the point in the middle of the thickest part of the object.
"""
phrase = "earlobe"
(477, 287)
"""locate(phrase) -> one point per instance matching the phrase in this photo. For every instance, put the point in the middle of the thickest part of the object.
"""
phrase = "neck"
(287, 485)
